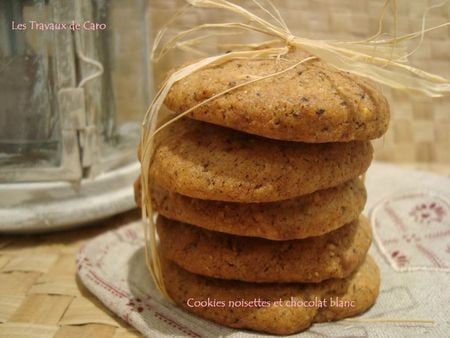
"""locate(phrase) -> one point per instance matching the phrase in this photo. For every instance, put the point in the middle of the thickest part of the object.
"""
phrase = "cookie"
(204, 161)
(313, 102)
(310, 215)
(258, 307)
(333, 255)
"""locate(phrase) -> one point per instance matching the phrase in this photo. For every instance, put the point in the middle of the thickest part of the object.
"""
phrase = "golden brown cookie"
(313, 102)
(333, 255)
(305, 216)
(258, 307)
(204, 161)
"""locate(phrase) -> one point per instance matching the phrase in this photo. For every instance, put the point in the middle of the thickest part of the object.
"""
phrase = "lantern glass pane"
(29, 123)
(119, 97)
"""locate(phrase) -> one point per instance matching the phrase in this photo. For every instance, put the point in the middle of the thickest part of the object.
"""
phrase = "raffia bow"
(384, 61)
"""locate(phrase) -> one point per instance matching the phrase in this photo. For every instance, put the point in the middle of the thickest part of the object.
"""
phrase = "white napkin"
(410, 215)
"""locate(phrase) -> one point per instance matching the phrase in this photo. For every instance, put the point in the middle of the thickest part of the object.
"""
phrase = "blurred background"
(71, 102)
(419, 133)
(41, 71)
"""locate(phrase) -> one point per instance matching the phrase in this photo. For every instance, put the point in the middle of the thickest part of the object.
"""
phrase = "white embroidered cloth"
(410, 215)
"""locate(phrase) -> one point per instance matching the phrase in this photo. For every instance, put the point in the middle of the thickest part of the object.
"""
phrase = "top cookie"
(311, 103)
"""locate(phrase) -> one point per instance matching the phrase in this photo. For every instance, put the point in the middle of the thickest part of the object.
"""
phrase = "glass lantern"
(74, 85)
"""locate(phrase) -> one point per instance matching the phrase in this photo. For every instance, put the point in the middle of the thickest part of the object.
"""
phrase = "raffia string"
(390, 320)
(383, 60)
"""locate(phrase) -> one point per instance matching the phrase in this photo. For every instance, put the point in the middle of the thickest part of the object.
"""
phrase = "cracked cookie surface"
(313, 102)
(361, 288)
(333, 255)
(204, 161)
(310, 215)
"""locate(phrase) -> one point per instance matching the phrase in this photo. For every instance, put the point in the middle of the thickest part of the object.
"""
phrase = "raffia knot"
(290, 39)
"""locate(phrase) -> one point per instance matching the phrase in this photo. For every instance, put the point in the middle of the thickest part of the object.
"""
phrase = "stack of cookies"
(259, 197)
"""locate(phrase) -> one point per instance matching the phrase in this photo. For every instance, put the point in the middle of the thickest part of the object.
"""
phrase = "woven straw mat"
(40, 295)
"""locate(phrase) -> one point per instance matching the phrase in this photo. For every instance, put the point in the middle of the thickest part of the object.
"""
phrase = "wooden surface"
(40, 295)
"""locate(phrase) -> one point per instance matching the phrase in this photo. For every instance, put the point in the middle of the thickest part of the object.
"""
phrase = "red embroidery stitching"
(426, 213)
